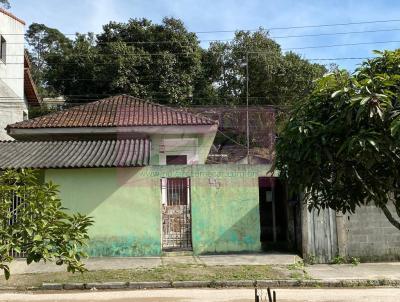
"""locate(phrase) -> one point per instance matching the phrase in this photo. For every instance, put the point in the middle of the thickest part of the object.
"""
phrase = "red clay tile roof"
(117, 111)
(12, 16)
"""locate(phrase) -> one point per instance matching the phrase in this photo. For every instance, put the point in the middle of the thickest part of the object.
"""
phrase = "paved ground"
(19, 266)
(217, 295)
(389, 270)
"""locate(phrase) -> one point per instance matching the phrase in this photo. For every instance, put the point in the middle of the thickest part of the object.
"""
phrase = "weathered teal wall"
(225, 209)
(127, 216)
(126, 206)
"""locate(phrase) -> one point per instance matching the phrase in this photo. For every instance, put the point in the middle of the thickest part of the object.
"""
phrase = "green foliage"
(47, 48)
(43, 230)
(36, 111)
(274, 77)
(339, 260)
(310, 260)
(355, 261)
(341, 148)
(344, 260)
(295, 266)
(124, 58)
(5, 4)
(165, 62)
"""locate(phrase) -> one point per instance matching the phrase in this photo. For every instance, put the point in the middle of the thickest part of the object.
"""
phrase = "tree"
(153, 61)
(5, 4)
(48, 49)
(342, 146)
(165, 62)
(275, 78)
(38, 225)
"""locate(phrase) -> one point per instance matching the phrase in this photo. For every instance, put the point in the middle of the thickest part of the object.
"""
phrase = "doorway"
(273, 214)
(176, 214)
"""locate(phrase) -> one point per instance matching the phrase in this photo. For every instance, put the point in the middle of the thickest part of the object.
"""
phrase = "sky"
(71, 16)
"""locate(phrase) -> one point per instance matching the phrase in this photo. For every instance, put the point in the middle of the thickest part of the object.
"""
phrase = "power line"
(139, 79)
(302, 26)
(336, 33)
(308, 59)
(225, 40)
(237, 98)
(269, 28)
(346, 44)
(167, 53)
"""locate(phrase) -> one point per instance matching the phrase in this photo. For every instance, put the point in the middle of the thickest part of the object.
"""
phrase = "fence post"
(269, 294)
(257, 298)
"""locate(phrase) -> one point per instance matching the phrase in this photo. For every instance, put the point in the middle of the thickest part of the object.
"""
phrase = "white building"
(16, 86)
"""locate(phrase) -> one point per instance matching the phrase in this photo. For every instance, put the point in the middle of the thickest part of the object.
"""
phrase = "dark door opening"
(273, 214)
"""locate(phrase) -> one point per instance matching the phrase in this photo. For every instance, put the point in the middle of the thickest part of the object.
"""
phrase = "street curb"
(225, 284)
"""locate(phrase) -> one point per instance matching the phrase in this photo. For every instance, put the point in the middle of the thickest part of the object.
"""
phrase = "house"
(138, 168)
(54, 103)
(17, 89)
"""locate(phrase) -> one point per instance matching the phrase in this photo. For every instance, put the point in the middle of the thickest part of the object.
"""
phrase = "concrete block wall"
(370, 236)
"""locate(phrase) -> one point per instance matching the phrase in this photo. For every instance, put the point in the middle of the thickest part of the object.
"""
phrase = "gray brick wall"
(370, 236)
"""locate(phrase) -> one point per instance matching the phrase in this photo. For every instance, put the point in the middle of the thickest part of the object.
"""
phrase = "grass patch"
(178, 272)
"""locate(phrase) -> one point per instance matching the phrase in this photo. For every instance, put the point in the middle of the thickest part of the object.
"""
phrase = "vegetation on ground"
(177, 272)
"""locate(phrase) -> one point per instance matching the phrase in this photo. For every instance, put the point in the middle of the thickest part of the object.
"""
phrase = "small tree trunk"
(390, 217)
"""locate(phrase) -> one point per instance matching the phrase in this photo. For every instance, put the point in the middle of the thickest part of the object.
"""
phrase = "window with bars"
(175, 191)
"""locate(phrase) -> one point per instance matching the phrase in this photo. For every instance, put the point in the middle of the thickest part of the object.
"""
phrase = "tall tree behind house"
(165, 62)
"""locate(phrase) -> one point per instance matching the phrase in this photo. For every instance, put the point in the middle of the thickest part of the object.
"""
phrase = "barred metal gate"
(176, 214)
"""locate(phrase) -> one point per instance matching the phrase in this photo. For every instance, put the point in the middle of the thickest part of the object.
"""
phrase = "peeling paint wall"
(126, 206)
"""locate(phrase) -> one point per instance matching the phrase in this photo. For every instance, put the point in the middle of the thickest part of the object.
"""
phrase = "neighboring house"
(17, 88)
(138, 169)
(55, 103)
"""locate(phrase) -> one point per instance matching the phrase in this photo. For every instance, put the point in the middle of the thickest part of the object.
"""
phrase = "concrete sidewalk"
(367, 271)
(19, 266)
(325, 272)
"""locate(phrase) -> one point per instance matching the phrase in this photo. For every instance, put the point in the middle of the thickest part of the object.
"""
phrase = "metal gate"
(176, 214)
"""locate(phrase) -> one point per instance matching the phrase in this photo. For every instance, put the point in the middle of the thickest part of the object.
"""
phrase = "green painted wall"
(127, 215)
(126, 206)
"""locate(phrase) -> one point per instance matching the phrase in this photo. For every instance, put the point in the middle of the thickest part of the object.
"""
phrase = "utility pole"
(247, 107)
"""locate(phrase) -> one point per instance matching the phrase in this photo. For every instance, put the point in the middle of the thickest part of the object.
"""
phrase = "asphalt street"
(213, 295)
